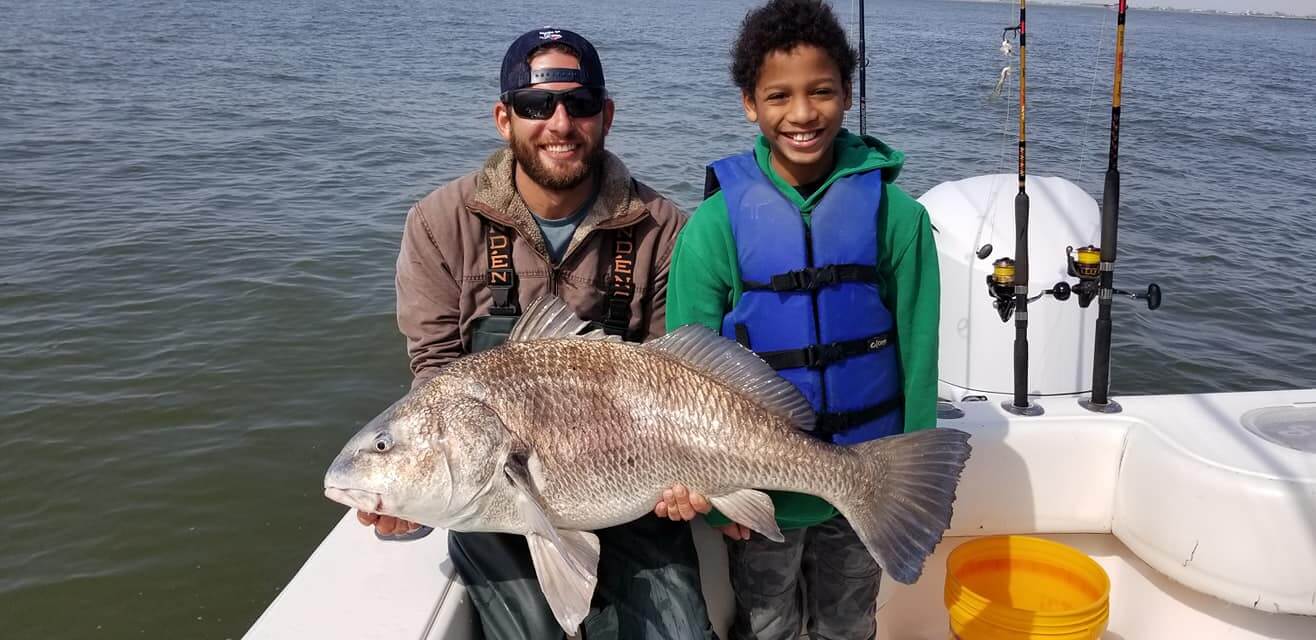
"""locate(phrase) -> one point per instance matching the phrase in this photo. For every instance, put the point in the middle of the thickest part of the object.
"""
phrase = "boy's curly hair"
(781, 25)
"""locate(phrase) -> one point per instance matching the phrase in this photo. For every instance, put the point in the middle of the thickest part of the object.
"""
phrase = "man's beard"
(527, 158)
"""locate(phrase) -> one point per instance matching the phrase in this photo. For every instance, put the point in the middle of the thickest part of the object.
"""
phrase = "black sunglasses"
(541, 104)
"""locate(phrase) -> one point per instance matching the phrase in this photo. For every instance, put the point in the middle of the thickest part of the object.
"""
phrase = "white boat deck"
(1207, 528)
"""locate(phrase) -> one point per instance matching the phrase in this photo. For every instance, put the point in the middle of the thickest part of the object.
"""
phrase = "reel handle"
(1152, 297)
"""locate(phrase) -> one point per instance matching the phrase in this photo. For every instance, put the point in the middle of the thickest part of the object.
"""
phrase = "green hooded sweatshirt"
(704, 285)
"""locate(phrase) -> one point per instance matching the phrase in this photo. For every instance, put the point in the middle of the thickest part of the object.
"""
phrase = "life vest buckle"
(818, 356)
(789, 281)
(804, 279)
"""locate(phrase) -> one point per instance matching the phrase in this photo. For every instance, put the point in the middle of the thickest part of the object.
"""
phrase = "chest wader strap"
(502, 276)
(830, 424)
(814, 278)
(621, 283)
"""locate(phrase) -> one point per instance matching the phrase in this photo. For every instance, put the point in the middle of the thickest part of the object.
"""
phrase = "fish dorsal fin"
(726, 360)
(549, 318)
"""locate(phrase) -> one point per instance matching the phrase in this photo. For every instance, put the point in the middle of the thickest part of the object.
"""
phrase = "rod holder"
(1031, 409)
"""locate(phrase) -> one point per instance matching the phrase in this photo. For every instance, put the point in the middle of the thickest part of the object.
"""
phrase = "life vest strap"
(830, 424)
(818, 356)
(814, 278)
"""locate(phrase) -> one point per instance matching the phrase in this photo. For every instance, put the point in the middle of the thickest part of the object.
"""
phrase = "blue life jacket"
(811, 307)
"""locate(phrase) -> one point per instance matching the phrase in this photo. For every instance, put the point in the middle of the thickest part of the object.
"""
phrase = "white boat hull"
(1206, 529)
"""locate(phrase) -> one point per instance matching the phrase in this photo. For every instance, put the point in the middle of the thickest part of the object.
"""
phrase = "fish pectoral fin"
(528, 501)
(568, 571)
(753, 509)
(566, 561)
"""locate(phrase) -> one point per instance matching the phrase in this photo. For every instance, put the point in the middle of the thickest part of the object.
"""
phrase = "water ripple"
(203, 202)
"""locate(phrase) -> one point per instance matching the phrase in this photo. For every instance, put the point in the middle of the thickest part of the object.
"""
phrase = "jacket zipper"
(556, 269)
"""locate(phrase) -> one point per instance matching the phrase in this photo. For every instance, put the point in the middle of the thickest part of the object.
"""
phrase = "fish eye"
(383, 442)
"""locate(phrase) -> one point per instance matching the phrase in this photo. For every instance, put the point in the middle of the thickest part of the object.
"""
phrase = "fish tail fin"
(913, 480)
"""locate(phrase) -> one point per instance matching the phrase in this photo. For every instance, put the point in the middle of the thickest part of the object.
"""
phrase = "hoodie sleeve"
(913, 293)
(427, 300)
(700, 288)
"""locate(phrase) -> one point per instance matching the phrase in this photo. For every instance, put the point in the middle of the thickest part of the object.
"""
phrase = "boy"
(806, 252)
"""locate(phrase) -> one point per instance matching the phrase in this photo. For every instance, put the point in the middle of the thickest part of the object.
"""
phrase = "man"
(553, 213)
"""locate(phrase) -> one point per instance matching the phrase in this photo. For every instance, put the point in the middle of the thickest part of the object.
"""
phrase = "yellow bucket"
(1022, 588)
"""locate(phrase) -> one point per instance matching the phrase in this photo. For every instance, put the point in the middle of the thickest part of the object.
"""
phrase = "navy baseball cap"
(516, 63)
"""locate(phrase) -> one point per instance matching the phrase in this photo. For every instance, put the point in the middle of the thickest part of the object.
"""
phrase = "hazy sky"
(1293, 7)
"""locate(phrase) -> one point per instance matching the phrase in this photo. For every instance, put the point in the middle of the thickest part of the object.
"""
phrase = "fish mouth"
(360, 499)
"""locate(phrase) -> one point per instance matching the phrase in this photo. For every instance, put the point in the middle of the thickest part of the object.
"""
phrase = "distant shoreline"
(1214, 12)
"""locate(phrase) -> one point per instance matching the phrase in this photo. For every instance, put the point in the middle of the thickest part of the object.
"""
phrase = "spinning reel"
(1084, 264)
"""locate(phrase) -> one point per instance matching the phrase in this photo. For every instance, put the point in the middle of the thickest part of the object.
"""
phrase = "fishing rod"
(863, 75)
(1095, 267)
(1020, 405)
(1110, 211)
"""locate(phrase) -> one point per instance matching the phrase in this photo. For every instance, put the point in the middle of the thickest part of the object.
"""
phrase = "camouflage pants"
(648, 585)
(822, 576)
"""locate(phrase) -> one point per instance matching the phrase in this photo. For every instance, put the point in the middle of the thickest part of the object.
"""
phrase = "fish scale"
(556, 434)
(583, 443)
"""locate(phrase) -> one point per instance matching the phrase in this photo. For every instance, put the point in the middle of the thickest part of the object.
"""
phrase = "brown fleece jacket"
(443, 265)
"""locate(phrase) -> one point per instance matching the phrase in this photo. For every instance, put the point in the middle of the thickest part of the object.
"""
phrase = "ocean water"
(200, 205)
